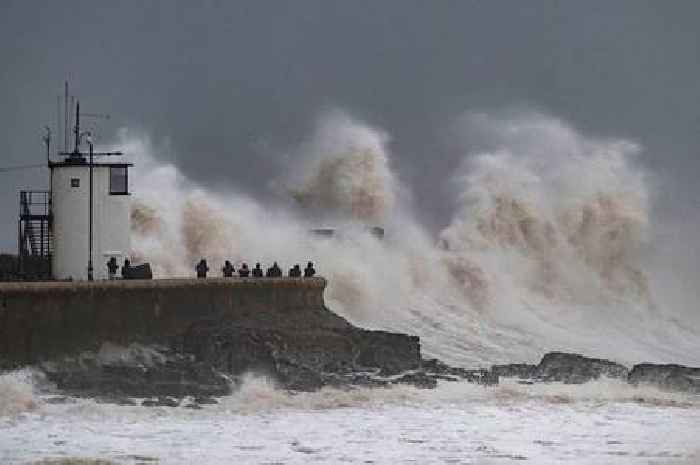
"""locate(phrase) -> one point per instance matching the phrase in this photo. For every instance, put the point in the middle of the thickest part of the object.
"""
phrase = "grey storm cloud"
(232, 85)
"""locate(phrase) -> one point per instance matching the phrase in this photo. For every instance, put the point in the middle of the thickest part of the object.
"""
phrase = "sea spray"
(345, 172)
(18, 392)
(544, 252)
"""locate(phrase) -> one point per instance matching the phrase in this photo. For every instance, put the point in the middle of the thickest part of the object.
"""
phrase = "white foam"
(601, 421)
(17, 392)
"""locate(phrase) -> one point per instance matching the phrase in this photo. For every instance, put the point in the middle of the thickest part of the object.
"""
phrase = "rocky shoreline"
(211, 360)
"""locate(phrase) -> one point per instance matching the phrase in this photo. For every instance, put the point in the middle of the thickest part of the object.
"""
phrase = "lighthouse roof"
(79, 161)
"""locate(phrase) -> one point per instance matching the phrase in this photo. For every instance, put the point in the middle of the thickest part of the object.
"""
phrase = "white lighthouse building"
(83, 220)
(90, 214)
(70, 209)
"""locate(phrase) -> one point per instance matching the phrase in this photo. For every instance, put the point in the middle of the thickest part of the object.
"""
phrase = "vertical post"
(47, 139)
(77, 127)
(20, 255)
(90, 275)
(65, 118)
(41, 238)
(58, 125)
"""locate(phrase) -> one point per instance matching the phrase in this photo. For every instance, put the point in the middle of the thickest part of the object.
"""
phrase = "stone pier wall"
(39, 321)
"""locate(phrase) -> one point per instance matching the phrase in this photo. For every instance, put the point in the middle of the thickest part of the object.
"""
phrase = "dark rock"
(669, 377)
(562, 367)
(173, 375)
(302, 359)
(168, 402)
(440, 370)
(355, 380)
(161, 402)
(116, 400)
(393, 353)
(514, 370)
(59, 400)
(418, 379)
(194, 363)
(576, 369)
(205, 400)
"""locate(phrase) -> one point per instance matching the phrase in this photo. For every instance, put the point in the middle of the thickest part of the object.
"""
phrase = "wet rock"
(577, 369)
(669, 377)
(515, 370)
(59, 400)
(419, 379)
(562, 367)
(116, 400)
(354, 380)
(303, 359)
(161, 402)
(114, 381)
(441, 370)
(204, 361)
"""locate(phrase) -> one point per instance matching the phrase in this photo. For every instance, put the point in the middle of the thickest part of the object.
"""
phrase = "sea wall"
(46, 320)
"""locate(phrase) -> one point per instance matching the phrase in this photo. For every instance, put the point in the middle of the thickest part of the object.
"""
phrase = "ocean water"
(555, 243)
(600, 422)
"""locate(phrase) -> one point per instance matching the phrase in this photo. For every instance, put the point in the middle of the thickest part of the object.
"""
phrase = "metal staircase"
(35, 238)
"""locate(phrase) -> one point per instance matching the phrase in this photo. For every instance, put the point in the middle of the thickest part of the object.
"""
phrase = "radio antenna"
(65, 118)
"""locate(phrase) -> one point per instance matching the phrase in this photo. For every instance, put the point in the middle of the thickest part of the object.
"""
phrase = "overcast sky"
(232, 84)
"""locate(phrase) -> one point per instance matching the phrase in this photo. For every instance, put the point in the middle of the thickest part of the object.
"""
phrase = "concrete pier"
(39, 321)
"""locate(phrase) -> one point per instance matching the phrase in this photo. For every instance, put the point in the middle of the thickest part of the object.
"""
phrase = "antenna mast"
(47, 141)
(65, 118)
(77, 128)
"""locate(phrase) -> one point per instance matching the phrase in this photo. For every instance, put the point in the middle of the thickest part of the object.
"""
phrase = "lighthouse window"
(74, 182)
(118, 180)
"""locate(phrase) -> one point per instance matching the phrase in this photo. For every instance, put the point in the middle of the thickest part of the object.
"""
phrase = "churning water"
(600, 422)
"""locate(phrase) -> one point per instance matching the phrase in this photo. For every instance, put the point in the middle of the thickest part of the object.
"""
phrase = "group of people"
(244, 272)
(129, 271)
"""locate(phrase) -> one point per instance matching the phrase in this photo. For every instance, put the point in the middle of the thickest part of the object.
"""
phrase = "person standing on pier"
(244, 271)
(112, 268)
(228, 269)
(309, 271)
(202, 269)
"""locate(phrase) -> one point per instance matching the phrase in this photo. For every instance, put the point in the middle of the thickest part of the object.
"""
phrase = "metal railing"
(34, 203)
(35, 238)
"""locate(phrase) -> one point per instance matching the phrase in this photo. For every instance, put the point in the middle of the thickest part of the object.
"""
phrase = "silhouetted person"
(228, 269)
(126, 269)
(257, 271)
(295, 271)
(112, 268)
(309, 271)
(274, 271)
(244, 271)
(202, 269)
